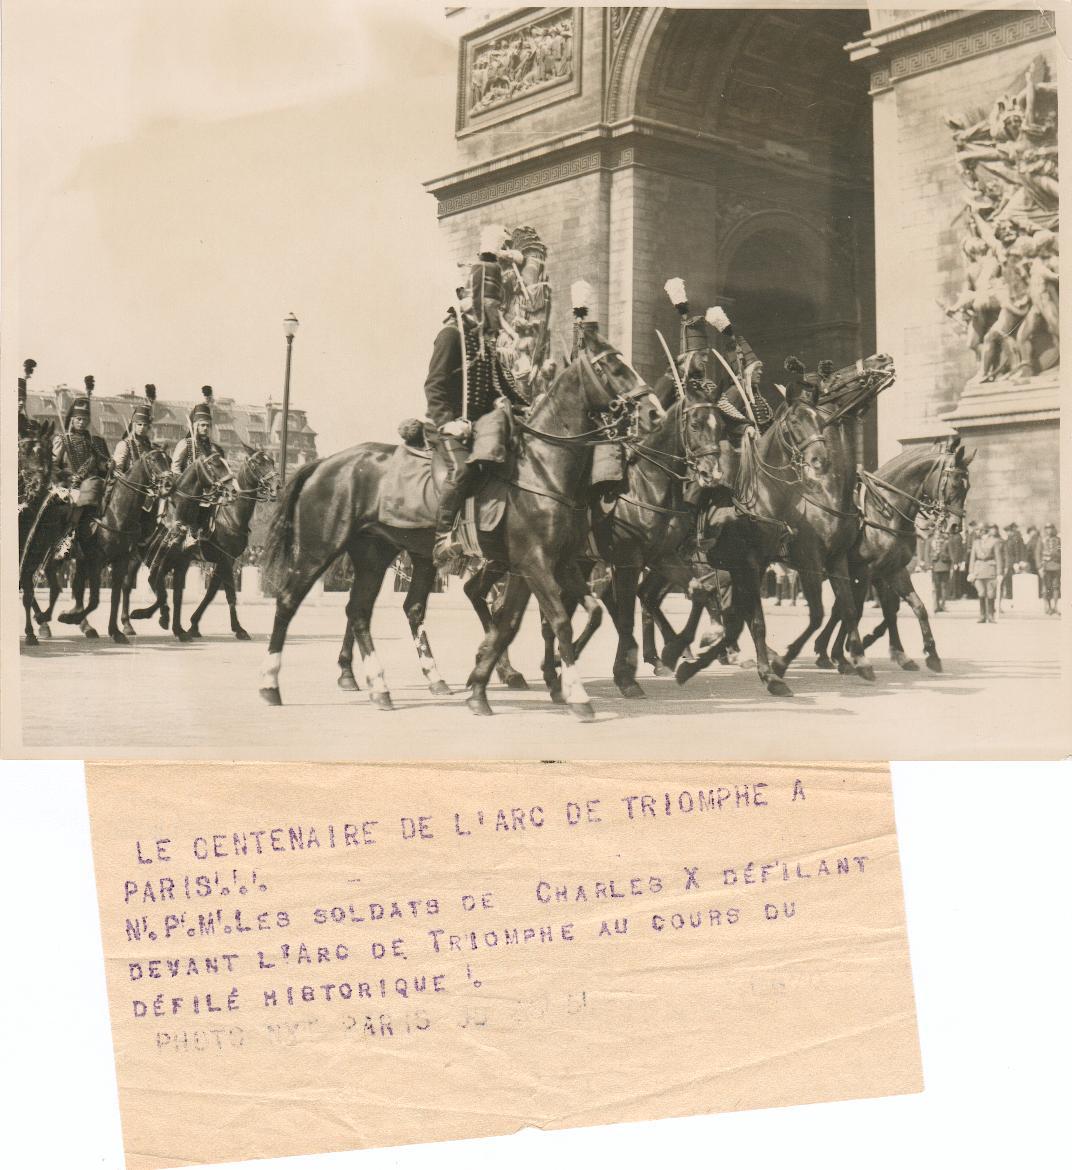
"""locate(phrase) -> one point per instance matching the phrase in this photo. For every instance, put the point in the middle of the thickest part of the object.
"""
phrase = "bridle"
(935, 507)
(691, 456)
(265, 487)
(161, 482)
(212, 490)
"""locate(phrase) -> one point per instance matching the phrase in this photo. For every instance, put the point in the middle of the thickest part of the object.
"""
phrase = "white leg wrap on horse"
(572, 688)
(424, 654)
(270, 671)
(377, 684)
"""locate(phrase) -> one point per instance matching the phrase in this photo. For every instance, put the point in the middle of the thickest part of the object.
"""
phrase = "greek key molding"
(519, 185)
(938, 54)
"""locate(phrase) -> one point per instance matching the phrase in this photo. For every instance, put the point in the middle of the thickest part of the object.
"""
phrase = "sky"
(180, 177)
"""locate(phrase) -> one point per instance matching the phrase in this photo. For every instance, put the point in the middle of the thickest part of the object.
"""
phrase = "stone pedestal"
(1025, 593)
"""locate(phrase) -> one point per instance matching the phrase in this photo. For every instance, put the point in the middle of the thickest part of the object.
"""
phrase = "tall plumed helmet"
(203, 410)
(143, 412)
(28, 367)
(793, 365)
(581, 296)
(717, 319)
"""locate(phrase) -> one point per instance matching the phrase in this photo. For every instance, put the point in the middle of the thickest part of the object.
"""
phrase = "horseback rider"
(198, 444)
(26, 425)
(693, 350)
(138, 439)
(81, 462)
(486, 379)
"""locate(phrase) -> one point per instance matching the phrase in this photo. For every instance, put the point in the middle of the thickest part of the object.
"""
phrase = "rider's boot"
(446, 549)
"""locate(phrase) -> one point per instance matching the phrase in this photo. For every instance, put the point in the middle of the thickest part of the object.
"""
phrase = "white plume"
(581, 295)
(716, 316)
(675, 290)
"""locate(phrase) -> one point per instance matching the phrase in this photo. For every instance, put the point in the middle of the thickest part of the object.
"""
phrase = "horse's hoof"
(44, 630)
(381, 700)
(934, 663)
(439, 687)
(779, 665)
(661, 671)
(867, 673)
(347, 682)
(120, 639)
(128, 629)
(182, 635)
(824, 662)
(631, 690)
(194, 632)
(684, 672)
(583, 711)
(479, 705)
(90, 633)
(271, 696)
(844, 667)
(164, 619)
(31, 639)
(908, 664)
(556, 695)
(242, 635)
(71, 618)
(775, 686)
(138, 614)
(671, 653)
(515, 681)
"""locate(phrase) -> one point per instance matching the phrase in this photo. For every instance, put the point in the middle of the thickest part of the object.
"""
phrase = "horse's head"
(607, 382)
(158, 472)
(801, 428)
(257, 476)
(702, 431)
(215, 478)
(35, 457)
(953, 484)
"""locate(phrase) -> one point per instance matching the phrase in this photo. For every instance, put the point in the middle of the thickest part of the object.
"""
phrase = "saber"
(673, 365)
(745, 396)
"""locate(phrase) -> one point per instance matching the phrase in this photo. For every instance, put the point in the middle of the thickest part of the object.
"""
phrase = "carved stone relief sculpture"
(1008, 162)
(520, 61)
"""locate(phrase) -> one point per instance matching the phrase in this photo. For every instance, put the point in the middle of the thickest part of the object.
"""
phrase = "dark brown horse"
(204, 483)
(796, 485)
(256, 481)
(333, 506)
(129, 511)
(932, 481)
(42, 519)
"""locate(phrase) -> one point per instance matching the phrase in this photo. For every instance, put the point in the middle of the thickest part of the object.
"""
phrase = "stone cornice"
(935, 40)
(599, 146)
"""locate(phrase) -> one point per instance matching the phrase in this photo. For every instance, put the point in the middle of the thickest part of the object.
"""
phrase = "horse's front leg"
(622, 605)
(129, 577)
(119, 570)
(178, 586)
(505, 622)
(651, 592)
(822, 644)
(811, 581)
(27, 605)
(846, 588)
(901, 583)
(415, 607)
(477, 589)
(557, 611)
(215, 580)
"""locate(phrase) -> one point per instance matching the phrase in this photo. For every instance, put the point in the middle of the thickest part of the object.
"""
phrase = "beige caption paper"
(312, 958)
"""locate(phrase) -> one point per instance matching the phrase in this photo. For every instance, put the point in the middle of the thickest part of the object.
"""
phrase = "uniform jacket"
(987, 558)
(129, 450)
(1050, 554)
(939, 553)
(443, 388)
(183, 455)
(1015, 549)
(80, 455)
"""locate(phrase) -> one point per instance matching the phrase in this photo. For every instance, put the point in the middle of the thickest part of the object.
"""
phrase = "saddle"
(415, 475)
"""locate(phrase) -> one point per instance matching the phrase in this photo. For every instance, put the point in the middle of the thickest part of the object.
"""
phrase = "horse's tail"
(278, 551)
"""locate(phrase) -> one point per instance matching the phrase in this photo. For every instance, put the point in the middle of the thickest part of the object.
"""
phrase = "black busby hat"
(143, 412)
(28, 367)
(203, 410)
(79, 408)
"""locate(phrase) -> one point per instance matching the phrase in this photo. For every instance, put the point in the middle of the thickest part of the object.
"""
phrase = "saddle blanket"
(410, 492)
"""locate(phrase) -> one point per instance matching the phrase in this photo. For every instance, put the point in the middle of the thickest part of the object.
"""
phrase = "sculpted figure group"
(1008, 163)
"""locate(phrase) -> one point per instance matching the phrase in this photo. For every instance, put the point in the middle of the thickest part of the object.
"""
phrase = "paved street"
(159, 697)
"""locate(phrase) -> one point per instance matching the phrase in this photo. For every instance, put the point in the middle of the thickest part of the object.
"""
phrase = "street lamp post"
(290, 327)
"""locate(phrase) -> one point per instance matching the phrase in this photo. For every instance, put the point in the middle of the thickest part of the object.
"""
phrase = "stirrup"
(446, 550)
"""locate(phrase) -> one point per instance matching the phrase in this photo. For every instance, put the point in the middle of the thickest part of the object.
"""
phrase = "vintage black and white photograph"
(407, 382)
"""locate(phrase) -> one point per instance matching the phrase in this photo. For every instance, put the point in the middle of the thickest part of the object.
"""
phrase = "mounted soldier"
(138, 438)
(26, 425)
(198, 444)
(459, 395)
(81, 462)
